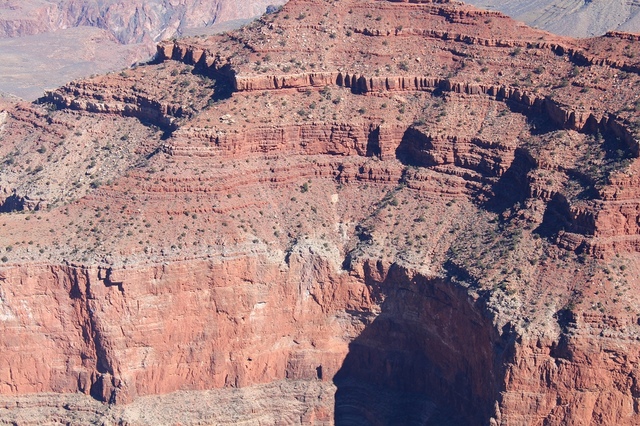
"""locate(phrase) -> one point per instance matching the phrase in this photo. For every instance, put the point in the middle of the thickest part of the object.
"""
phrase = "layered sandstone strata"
(408, 212)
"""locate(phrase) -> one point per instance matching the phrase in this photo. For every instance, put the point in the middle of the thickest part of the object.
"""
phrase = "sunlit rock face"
(353, 212)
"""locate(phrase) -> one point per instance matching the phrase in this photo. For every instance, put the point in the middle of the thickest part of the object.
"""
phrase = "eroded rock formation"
(369, 212)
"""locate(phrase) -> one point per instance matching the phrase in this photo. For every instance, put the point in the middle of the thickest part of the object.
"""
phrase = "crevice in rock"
(373, 143)
(224, 78)
(103, 385)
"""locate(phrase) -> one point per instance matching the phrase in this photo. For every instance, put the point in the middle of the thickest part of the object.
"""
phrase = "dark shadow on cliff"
(223, 80)
(512, 187)
(414, 149)
(430, 358)
(373, 143)
(538, 120)
(556, 218)
(615, 154)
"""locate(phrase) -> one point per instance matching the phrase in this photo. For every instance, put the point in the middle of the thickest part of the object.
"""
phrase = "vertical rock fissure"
(103, 383)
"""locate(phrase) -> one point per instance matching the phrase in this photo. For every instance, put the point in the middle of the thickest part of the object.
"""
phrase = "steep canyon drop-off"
(360, 212)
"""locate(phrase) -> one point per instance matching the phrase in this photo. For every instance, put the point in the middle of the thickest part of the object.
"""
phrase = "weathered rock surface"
(366, 212)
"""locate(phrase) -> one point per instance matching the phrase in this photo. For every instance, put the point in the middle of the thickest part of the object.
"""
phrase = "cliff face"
(120, 334)
(408, 212)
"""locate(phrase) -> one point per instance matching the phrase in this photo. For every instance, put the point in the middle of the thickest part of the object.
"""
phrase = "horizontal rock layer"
(438, 225)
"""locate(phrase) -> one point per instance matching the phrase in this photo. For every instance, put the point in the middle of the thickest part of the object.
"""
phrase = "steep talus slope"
(365, 212)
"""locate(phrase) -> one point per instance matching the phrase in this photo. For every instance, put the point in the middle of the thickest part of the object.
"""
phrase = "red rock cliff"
(392, 212)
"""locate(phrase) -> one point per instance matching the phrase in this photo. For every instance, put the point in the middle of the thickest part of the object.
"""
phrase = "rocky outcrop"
(562, 115)
(337, 226)
(214, 140)
(588, 364)
(345, 139)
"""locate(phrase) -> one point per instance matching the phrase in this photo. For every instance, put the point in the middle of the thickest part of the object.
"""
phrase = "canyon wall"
(569, 17)
(164, 328)
(354, 212)
(96, 37)
(420, 343)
